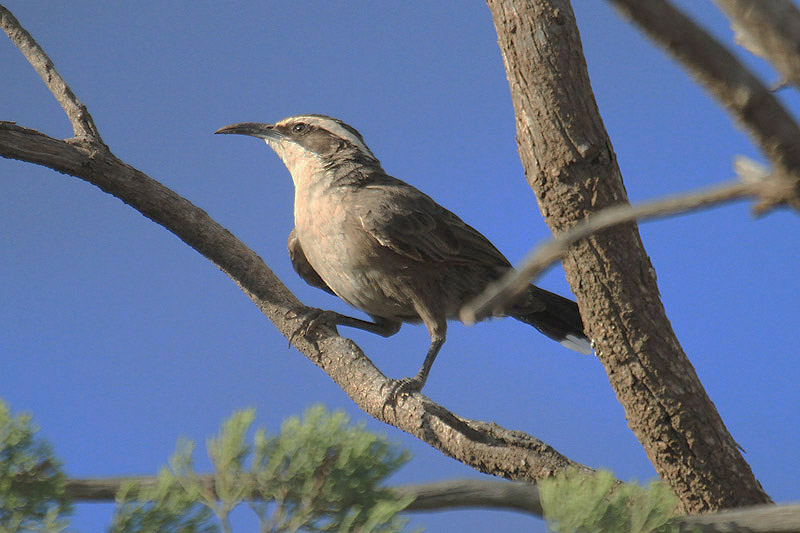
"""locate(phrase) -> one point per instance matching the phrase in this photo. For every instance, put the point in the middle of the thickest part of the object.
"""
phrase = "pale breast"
(350, 261)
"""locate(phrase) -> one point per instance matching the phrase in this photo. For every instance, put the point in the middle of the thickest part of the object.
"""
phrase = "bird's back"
(384, 245)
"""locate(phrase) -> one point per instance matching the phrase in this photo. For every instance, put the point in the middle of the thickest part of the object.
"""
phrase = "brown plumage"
(385, 247)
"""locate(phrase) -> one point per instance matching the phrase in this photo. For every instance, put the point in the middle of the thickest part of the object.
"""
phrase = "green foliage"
(324, 475)
(31, 482)
(319, 474)
(166, 507)
(576, 503)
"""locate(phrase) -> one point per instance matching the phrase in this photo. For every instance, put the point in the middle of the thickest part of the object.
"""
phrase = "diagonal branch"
(730, 82)
(736, 88)
(82, 123)
(771, 23)
(484, 446)
(494, 297)
(769, 29)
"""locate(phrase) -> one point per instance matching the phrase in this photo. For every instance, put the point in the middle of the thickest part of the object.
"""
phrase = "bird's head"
(309, 144)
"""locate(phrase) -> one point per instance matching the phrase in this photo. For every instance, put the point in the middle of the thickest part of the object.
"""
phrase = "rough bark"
(571, 167)
(82, 123)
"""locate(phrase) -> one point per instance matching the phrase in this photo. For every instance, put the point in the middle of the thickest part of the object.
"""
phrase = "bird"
(388, 249)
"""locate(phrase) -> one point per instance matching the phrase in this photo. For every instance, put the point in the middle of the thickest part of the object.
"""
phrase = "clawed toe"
(313, 319)
(404, 386)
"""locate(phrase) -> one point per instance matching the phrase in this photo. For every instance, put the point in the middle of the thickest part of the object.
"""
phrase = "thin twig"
(443, 495)
(82, 123)
(493, 299)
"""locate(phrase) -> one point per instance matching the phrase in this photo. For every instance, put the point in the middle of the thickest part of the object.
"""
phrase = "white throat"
(298, 160)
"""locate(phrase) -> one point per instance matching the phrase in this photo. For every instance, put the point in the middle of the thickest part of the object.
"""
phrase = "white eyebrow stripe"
(334, 127)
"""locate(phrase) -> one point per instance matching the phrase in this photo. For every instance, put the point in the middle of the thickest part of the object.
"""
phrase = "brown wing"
(302, 266)
(409, 222)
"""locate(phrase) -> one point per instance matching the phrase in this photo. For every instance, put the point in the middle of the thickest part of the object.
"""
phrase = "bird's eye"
(298, 128)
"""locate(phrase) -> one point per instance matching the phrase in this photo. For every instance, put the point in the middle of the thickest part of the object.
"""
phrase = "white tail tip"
(578, 344)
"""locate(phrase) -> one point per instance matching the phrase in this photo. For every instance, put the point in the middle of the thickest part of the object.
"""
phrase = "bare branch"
(755, 519)
(461, 493)
(82, 123)
(769, 29)
(485, 446)
(731, 83)
(444, 495)
(492, 300)
(439, 496)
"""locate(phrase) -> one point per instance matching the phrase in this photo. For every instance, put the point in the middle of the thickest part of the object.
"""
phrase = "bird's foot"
(404, 386)
(313, 319)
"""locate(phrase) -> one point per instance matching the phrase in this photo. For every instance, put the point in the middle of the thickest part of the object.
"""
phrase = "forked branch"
(82, 123)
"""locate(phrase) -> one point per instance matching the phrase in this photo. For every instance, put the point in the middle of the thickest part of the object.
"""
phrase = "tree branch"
(769, 29)
(446, 495)
(82, 123)
(439, 496)
(484, 446)
(738, 90)
(460, 493)
(755, 519)
(492, 300)
(570, 165)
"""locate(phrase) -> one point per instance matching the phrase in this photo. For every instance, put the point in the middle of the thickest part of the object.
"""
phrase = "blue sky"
(120, 339)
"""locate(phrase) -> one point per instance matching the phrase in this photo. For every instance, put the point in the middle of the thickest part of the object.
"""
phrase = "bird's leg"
(438, 333)
(317, 317)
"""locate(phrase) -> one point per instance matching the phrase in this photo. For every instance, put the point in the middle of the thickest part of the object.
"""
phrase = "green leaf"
(168, 507)
(574, 502)
(326, 474)
(228, 452)
(320, 474)
(32, 496)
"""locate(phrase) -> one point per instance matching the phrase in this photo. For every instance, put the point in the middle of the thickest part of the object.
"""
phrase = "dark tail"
(555, 316)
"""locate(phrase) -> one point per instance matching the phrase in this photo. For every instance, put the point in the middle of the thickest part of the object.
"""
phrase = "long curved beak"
(253, 129)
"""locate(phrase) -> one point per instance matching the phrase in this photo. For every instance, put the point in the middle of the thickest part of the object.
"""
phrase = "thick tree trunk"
(571, 167)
